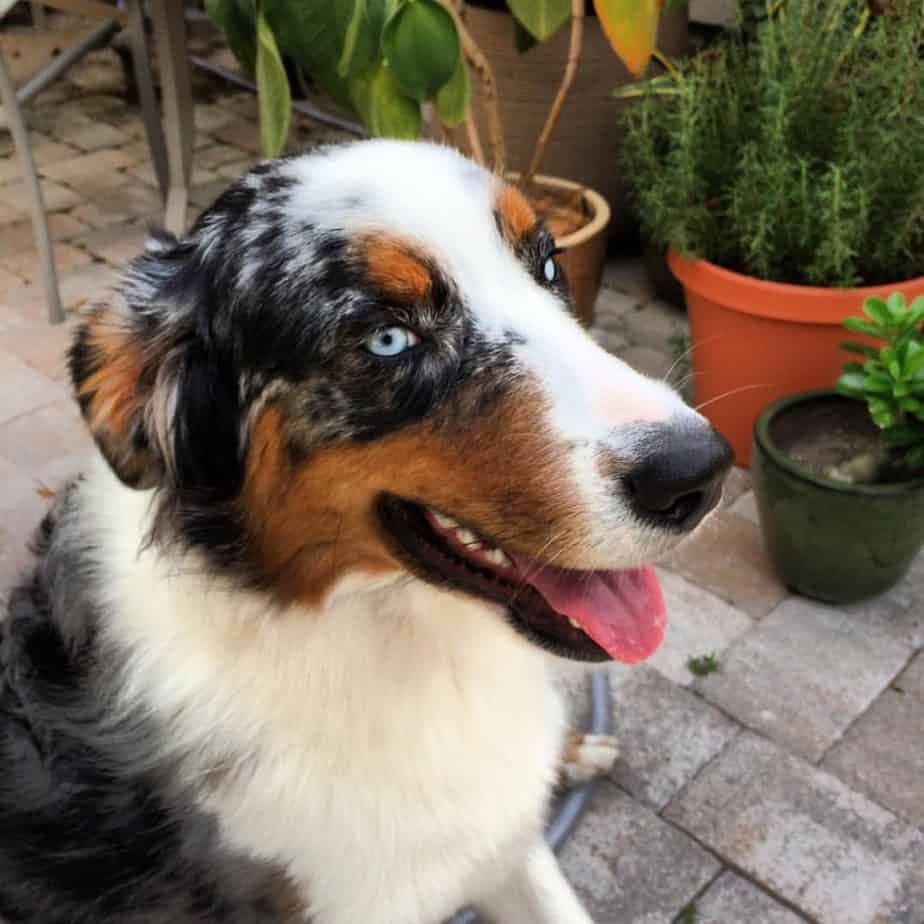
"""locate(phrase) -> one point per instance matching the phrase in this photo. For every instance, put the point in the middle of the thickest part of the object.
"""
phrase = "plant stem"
(574, 55)
(476, 59)
(474, 139)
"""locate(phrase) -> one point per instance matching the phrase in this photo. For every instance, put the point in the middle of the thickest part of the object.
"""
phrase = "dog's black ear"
(159, 403)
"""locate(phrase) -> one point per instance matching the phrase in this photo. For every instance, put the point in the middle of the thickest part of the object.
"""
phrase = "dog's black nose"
(679, 474)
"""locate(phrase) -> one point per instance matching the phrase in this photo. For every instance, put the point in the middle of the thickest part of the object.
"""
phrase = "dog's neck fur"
(271, 711)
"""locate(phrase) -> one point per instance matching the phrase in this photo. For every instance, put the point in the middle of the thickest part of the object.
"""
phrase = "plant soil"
(564, 211)
(827, 436)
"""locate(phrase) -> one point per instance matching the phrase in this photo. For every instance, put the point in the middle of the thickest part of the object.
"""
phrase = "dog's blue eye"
(549, 270)
(390, 341)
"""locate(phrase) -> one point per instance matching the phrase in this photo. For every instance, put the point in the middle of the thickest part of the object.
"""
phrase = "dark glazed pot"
(836, 542)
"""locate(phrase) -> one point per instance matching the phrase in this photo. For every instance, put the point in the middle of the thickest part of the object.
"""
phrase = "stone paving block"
(655, 324)
(733, 900)
(15, 485)
(804, 835)
(25, 264)
(736, 484)
(236, 168)
(117, 244)
(8, 214)
(8, 280)
(240, 134)
(84, 169)
(653, 363)
(882, 755)
(210, 117)
(19, 236)
(629, 866)
(34, 441)
(611, 308)
(573, 681)
(89, 282)
(628, 274)
(804, 675)
(726, 556)
(57, 198)
(698, 623)
(131, 200)
(41, 346)
(216, 155)
(666, 735)
(95, 135)
(206, 194)
(746, 506)
(612, 341)
(23, 388)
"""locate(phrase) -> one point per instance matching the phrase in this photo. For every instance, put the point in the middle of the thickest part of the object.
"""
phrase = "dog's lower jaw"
(393, 752)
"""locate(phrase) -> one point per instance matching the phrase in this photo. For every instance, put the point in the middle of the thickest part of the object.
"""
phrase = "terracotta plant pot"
(587, 141)
(583, 251)
(754, 342)
(829, 540)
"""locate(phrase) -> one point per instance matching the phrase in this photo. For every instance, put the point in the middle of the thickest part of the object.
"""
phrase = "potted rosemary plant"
(839, 474)
(407, 67)
(783, 168)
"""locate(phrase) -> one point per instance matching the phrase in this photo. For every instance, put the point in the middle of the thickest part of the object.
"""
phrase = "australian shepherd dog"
(284, 653)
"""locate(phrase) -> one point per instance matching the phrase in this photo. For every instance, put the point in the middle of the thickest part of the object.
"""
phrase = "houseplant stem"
(571, 66)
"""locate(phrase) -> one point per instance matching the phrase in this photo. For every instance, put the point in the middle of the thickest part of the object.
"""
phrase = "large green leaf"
(541, 18)
(631, 26)
(421, 47)
(453, 99)
(332, 40)
(236, 19)
(275, 98)
(384, 108)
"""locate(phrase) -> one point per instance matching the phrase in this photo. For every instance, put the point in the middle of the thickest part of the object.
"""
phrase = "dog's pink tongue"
(622, 611)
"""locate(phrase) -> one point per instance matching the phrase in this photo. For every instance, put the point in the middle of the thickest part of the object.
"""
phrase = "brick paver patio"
(788, 786)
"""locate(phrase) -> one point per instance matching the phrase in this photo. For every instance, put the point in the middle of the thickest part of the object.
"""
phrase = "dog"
(285, 650)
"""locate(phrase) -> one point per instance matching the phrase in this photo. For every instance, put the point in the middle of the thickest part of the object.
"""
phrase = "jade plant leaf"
(275, 99)
(541, 18)
(421, 47)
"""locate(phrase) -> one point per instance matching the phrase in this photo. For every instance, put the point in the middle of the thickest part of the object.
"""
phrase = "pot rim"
(782, 301)
(765, 444)
(600, 208)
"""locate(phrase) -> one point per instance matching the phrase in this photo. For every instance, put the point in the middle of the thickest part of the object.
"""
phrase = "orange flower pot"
(754, 342)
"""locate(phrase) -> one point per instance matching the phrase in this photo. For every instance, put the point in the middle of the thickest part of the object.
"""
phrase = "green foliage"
(703, 665)
(793, 149)
(275, 97)
(688, 915)
(891, 378)
(541, 18)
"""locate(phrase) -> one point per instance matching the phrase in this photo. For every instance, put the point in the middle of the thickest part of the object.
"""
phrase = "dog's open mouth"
(585, 615)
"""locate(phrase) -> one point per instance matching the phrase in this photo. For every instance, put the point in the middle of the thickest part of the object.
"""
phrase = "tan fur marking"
(315, 521)
(111, 389)
(396, 270)
(517, 215)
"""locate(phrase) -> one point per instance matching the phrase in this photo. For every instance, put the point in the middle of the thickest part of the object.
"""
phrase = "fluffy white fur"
(348, 732)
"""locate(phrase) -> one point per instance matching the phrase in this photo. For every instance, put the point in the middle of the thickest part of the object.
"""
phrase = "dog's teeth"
(575, 624)
(444, 522)
(498, 557)
(466, 537)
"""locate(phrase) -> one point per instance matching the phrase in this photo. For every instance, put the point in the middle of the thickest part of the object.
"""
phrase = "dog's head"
(362, 363)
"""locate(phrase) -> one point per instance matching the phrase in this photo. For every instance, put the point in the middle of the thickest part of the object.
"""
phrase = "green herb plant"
(792, 149)
(890, 379)
(703, 665)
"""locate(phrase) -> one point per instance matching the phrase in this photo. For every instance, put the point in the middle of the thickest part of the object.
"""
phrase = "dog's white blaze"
(593, 398)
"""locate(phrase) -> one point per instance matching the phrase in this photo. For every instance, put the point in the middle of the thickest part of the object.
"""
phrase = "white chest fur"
(394, 750)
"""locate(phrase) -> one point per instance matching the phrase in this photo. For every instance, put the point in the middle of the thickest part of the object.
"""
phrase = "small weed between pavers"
(688, 915)
(703, 665)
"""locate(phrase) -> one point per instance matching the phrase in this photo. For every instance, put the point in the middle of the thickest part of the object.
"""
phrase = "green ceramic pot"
(835, 542)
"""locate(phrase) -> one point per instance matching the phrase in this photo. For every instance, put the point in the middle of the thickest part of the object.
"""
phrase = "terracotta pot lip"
(599, 207)
(780, 300)
(766, 445)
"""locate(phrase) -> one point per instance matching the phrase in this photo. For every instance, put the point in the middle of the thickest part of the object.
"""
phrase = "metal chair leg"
(176, 84)
(144, 79)
(17, 126)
